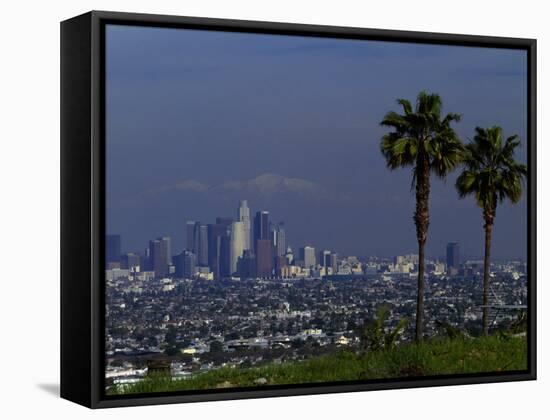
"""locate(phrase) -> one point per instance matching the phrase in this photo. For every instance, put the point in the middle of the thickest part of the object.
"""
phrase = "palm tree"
(492, 175)
(421, 138)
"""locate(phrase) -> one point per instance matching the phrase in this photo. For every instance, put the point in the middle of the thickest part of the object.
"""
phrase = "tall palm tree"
(421, 138)
(492, 175)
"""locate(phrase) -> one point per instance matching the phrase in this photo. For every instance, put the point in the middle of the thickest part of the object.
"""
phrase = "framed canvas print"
(255, 209)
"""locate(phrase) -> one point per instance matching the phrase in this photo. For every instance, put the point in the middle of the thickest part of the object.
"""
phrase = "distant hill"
(264, 185)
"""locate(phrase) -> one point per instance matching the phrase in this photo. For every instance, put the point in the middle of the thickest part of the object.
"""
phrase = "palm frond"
(490, 171)
(395, 120)
(421, 134)
(406, 105)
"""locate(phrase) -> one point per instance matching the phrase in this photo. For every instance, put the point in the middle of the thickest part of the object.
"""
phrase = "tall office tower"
(202, 245)
(189, 265)
(334, 263)
(190, 235)
(185, 264)
(264, 259)
(244, 217)
(324, 258)
(261, 227)
(158, 251)
(196, 238)
(246, 266)
(453, 255)
(307, 255)
(146, 260)
(168, 242)
(177, 261)
(112, 249)
(225, 256)
(279, 239)
(222, 247)
(131, 261)
(215, 233)
(237, 245)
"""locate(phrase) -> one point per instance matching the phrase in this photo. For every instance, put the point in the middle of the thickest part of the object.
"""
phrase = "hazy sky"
(197, 120)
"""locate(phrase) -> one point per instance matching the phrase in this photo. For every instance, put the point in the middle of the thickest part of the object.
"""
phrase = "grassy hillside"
(434, 357)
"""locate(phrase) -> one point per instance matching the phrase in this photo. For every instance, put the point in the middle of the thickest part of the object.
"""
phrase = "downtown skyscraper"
(307, 255)
(264, 258)
(261, 227)
(279, 239)
(453, 255)
(237, 245)
(112, 250)
(244, 218)
(217, 246)
(263, 244)
(158, 256)
(190, 236)
(196, 238)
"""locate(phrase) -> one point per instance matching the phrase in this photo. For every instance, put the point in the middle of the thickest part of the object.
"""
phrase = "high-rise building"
(324, 258)
(185, 264)
(453, 255)
(189, 265)
(202, 244)
(307, 255)
(146, 264)
(244, 217)
(261, 227)
(158, 251)
(215, 233)
(190, 235)
(237, 245)
(264, 259)
(112, 249)
(196, 238)
(131, 261)
(279, 239)
(225, 256)
(168, 245)
(246, 266)
(177, 261)
(333, 263)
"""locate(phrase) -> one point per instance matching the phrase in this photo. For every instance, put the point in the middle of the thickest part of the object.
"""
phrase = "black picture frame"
(83, 203)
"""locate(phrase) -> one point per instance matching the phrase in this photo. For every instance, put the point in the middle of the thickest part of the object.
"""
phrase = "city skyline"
(184, 239)
(226, 246)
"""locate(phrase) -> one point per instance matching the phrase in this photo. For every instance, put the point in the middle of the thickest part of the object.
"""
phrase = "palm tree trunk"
(422, 221)
(489, 220)
(420, 293)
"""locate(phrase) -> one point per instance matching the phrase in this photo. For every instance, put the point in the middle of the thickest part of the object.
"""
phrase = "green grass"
(434, 357)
